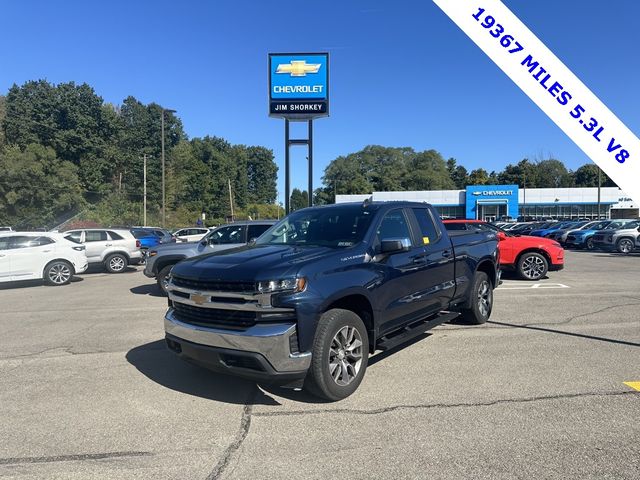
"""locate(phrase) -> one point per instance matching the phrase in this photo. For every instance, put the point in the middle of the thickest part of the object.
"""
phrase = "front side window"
(5, 242)
(394, 226)
(227, 235)
(95, 236)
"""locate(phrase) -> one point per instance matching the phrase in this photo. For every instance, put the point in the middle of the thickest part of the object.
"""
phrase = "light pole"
(162, 143)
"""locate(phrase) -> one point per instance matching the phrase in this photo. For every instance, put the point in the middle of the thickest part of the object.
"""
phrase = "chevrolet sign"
(492, 193)
(298, 85)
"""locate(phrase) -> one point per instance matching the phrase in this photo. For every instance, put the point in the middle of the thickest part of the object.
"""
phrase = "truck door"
(437, 278)
(398, 297)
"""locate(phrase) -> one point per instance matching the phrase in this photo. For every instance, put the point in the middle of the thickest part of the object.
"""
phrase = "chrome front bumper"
(271, 340)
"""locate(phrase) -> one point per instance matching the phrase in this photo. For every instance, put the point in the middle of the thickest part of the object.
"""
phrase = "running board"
(414, 329)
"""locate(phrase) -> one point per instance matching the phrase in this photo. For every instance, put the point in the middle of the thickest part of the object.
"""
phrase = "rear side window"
(39, 241)
(114, 235)
(95, 236)
(452, 227)
(73, 236)
(256, 230)
(428, 229)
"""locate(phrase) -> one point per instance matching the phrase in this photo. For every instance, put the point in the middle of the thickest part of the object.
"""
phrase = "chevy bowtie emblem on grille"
(298, 68)
(198, 298)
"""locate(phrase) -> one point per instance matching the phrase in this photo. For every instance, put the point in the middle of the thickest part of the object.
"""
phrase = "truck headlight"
(285, 285)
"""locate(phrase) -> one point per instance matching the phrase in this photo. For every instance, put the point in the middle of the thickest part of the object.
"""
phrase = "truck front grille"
(214, 286)
(214, 317)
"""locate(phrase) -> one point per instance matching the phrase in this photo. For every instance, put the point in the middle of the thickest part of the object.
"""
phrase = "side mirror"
(253, 240)
(501, 236)
(395, 245)
(203, 243)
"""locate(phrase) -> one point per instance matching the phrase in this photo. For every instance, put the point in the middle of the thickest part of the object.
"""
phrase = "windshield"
(337, 227)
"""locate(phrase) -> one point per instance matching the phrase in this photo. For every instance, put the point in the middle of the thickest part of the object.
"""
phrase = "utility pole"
(230, 199)
(144, 179)
(163, 183)
(599, 193)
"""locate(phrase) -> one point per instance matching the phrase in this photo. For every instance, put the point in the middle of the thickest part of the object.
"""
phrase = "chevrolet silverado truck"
(306, 303)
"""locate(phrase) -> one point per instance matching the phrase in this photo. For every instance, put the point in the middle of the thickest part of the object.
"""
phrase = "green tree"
(299, 199)
(523, 171)
(427, 171)
(479, 176)
(587, 176)
(552, 173)
(262, 175)
(36, 186)
(3, 114)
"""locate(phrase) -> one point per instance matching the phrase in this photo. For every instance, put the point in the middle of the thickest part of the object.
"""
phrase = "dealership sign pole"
(552, 86)
(298, 92)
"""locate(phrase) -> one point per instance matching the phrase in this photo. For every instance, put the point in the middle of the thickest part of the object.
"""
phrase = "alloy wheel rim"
(625, 246)
(345, 355)
(484, 298)
(59, 273)
(116, 263)
(533, 267)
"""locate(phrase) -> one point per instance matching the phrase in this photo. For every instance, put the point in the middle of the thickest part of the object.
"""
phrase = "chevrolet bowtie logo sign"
(197, 298)
(298, 68)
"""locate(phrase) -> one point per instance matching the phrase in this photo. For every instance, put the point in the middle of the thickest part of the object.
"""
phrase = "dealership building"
(491, 202)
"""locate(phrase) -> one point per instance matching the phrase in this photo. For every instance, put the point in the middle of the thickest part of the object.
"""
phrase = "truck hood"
(255, 262)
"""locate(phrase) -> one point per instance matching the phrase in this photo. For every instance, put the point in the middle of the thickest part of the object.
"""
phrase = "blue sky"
(402, 74)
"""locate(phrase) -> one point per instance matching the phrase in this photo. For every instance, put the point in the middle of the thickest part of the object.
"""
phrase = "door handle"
(446, 253)
(46, 251)
(419, 259)
(2, 255)
(108, 244)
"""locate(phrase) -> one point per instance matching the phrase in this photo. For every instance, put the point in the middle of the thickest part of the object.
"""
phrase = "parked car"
(622, 239)
(531, 257)
(306, 304)
(6, 229)
(560, 235)
(527, 228)
(147, 238)
(543, 232)
(164, 236)
(110, 247)
(37, 255)
(584, 238)
(193, 234)
(160, 260)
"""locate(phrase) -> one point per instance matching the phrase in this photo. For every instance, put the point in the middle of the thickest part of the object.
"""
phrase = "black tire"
(481, 300)
(589, 244)
(57, 273)
(116, 263)
(350, 367)
(532, 266)
(161, 278)
(625, 246)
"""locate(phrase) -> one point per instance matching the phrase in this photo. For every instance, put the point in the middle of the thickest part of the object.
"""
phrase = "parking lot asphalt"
(89, 391)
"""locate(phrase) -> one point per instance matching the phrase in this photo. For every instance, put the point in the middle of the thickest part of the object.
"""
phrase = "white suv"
(35, 255)
(193, 234)
(111, 247)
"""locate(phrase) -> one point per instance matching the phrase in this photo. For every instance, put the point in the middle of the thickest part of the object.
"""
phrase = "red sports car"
(530, 256)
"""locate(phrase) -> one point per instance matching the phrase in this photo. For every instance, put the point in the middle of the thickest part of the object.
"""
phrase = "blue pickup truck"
(308, 301)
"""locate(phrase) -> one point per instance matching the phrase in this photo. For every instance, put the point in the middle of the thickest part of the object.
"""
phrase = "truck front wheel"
(340, 355)
(481, 300)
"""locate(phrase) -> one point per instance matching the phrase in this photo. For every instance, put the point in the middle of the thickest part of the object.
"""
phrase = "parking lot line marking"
(539, 286)
(634, 385)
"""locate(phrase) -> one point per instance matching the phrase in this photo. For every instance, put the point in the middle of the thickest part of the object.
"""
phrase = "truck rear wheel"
(340, 355)
(481, 300)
